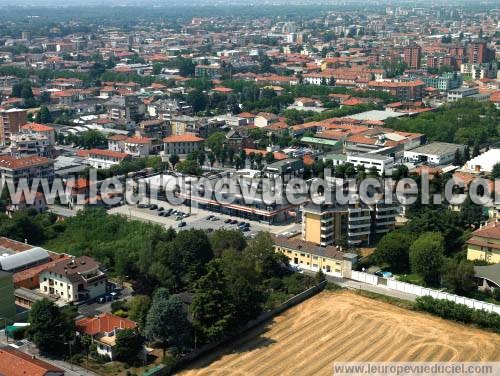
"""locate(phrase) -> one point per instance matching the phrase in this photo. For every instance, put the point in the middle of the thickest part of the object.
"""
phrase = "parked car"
(234, 221)
(160, 208)
(209, 218)
(153, 207)
(181, 224)
(227, 221)
(142, 206)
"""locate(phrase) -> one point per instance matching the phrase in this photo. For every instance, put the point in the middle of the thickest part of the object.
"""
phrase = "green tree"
(167, 322)
(268, 263)
(189, 167)
(212, 307)
(44, 115)
(129, 346)
(50, 326)
(427, 256)
(198, 100)
(269, 157)
(244, 284)
(222, 240)
(458, 276)
(495, 172)
(471, 213)
(138, 308)
(173, 159)
(394, 249)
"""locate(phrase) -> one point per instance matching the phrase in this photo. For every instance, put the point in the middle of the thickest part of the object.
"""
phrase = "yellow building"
(485, 244)
(306, 255)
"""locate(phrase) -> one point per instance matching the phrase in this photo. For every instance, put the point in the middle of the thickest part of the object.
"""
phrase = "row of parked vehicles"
(179, 215)
(242, 226)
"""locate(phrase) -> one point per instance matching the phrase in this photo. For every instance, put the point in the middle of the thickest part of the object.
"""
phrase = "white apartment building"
(383, 163)
(73, 280)
(99, 158)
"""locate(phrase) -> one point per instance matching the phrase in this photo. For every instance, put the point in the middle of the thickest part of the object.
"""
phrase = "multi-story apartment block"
(478, 52)
(352, 224)
(209, 71)
(410, 90)
(11, 121)
(25, 145)
(125, 109)
(412, 55)
(13, 169)
(40, 130)
(445, 82)
(479, 71)
(73, 280)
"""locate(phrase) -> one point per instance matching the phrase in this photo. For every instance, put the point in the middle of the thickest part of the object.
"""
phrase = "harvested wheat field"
(343, 326)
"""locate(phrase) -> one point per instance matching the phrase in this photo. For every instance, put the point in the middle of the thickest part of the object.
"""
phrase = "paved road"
(355, 285)
(30, 349)
(97, 308)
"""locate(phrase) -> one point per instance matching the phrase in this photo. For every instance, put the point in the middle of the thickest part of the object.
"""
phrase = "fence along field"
(343, 326)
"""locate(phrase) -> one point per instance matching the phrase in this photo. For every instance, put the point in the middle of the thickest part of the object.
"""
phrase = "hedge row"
(459, 312)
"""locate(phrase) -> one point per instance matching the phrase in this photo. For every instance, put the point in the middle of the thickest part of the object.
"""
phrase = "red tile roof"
(105, 322)
(37, 127)
(108, 153)
(277, 155)
(495, 97)
(222, 89)
(9, 162)
(491, 230)
(138, 140)
(187, 137)
(117, 137)
(14, 245)
(17, 363)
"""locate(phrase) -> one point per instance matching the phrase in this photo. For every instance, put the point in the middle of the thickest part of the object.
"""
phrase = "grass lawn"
(411, 278)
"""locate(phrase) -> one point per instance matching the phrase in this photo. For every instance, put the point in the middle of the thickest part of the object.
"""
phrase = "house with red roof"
(182, 144)
(485, 244)
(103, 329)
(40, 130)
(99, 158)
(16, 363)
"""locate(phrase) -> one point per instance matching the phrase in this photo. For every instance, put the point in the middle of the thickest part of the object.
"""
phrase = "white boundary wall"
(364, 277)
(422, 291)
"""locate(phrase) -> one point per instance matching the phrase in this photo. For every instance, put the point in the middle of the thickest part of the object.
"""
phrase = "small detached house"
(103, 329)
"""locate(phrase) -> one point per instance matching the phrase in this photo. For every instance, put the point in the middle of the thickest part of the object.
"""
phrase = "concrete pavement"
(356, 285)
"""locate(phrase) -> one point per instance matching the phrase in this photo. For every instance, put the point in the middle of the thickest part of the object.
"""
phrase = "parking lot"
(199, 219)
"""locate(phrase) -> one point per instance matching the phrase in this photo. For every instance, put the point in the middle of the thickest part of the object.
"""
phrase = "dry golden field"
(342, 326)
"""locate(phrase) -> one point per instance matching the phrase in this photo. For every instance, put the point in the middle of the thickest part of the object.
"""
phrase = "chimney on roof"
(25, 241)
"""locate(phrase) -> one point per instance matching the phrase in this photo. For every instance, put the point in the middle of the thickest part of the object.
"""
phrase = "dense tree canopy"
(464, 122)
(51, 327)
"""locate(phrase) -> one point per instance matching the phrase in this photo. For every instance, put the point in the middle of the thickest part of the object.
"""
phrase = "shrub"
(459, 312)
(496, 294)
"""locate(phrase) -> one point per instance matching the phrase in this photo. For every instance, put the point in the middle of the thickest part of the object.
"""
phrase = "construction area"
(343, 326)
